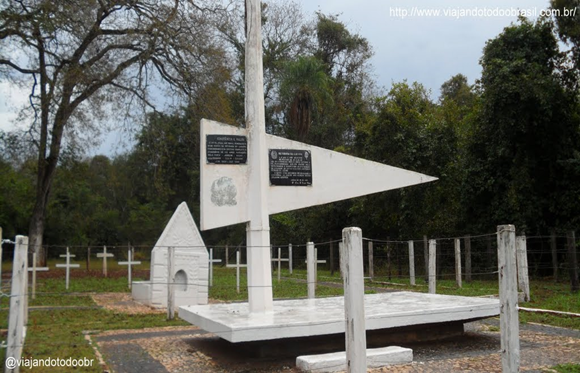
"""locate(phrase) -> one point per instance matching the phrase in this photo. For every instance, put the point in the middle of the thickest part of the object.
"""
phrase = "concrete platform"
(336, 361)
(324, 316)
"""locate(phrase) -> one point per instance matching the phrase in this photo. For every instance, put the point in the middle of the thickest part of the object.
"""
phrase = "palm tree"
(306, 86)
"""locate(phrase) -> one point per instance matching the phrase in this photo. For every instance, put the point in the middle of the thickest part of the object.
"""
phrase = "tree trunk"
(36, 228)
(45, 176)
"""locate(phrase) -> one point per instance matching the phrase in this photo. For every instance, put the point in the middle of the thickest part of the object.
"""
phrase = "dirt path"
(191, 350)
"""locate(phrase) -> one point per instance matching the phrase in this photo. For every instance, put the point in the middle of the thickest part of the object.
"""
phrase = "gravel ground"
(187, 349)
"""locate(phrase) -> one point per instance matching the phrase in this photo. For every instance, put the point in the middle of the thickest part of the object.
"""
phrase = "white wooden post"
(210, 268)
(426, 257)
(458, 262)
(340, 248)
(105, 255)
(351, 267)
(371, 264)
(130, 264)
(412, 262)
(432, 266)
(17, 313)
(467, 241)
(290, 257)
(279, 262)
(238, 271)
(310, 268)
(227, 255)
(171, 283)
(35, 269)
(68, 265)
(508, 295)
(522, 263)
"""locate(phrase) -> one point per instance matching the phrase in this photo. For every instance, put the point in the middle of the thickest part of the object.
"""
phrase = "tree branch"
(18, 68)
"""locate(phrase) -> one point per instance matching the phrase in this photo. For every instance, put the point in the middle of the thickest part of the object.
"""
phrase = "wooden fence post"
(522, 264)
(412, 262)
(227, 255)
(489, 256)
(432, 266)
(170, 283)
(88, 259)
(573, 262)
(352, 269)
(331, 259)
(290, 257)
(238, 271)
(458, 262)
(279, 263)
(554, 248)
(508, 295)
(467, 241)
(310, 270)
(17, 314)
(426, 256)
(389, 267)
(371, 264)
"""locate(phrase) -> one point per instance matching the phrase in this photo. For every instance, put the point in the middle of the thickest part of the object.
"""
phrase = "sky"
(427, 41)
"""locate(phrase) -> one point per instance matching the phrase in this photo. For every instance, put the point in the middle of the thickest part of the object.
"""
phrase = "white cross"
(211, 262)
(68, 265)
(105, 255)
(316, 262)
(35, 269)
(321, 261)
(237, 266)
(280, 260)
(130, 263)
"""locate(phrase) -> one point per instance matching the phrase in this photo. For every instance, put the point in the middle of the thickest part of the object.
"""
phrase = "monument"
(247, 175)
(190, 266)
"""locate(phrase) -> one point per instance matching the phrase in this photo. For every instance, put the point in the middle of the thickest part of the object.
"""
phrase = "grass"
(567, 368)
(59, 332)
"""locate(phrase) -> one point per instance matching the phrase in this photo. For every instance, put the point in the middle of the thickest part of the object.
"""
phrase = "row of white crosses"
(312, 262)
(68, 265)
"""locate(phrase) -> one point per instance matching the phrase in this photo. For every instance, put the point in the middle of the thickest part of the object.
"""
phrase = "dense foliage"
(505, 150)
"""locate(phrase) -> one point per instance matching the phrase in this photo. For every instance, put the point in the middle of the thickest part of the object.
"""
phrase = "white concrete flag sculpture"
(247, 175)
(190, 264)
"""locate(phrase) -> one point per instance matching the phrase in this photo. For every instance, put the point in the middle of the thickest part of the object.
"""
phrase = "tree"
(82, 57)
(306, 86)
(568, 23)
(525, 133)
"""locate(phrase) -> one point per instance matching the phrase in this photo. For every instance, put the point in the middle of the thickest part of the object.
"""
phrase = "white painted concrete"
(258, 229)
(191, 257)
(322, 316)
(335, 177)
(336, 361)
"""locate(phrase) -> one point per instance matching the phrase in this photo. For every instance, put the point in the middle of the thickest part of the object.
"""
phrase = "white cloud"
(12, 99)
